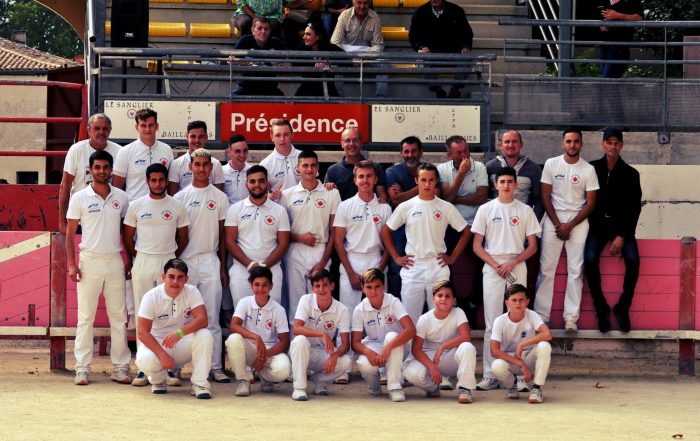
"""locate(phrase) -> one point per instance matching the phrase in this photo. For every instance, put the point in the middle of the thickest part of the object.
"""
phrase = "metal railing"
(546, 10)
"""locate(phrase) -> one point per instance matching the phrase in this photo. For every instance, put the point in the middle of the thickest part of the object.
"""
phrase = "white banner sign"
(173, 117)
(432, 124)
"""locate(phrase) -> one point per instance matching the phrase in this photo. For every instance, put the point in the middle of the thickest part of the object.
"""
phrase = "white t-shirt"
(281, 170)
(234, 182)
(333, 321)
(99, 218)
(77, 163)
(569, 182)
(257, 226)
(311, 210)
(476, 177)
(426, 223)
(268, 321)
(156, 222)
(435, 332)
(205, 207)
(363, 222)
(167, 313)
(180, 172)
(378, 323)
(509, 333)
(505, 226)
(132, 161)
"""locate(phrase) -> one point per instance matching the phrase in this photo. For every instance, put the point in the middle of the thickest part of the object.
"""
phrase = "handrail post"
(686, 348)
(565, 13)
(57, 309)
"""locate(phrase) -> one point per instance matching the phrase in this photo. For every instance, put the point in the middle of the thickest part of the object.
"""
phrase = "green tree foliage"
(46, 31)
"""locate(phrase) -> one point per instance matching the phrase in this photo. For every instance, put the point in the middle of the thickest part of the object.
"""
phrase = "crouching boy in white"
(318, 321)
(519, 345)
(388, 327)
(172, 329)
(441, 347)
(259, 336)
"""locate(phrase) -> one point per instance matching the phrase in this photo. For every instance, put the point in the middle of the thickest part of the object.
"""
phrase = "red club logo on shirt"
(329, 325)
(376, 218)
(389, 319)
(437, 215)
(167, 215)
(269, 220)
(116, 205)
(320, 203)
(514, 220)
(211, 204)
(188, 313)
(268, 324)
(164, 161)
(575, 179)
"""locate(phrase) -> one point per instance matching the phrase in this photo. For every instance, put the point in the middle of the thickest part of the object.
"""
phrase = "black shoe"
(454, 93)
(440, 93)
(623, 318)
(604, 320)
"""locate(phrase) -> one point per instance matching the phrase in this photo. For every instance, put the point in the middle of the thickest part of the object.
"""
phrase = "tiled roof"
(18, 57)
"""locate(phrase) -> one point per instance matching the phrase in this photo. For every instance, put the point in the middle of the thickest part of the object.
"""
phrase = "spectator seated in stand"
(315, 39)
(260, 39)
(247, 10)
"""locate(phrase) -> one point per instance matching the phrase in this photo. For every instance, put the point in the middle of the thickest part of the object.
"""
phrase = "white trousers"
(394, 375)
(146, 274)
(536, 359)
(460, 362)
(549, 258)
(417, 285)
(195, 347)
(298, 262)
(240, 287)
(494, 296)
(203, 272)
(241, 353)
(101, 274)
(304, 358)
(130, 299)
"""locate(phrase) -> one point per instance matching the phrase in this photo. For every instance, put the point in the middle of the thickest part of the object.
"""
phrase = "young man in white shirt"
(569, 186)
(506, 224)
(520, 346)
(206, 249)
(426, 218)
(311, 209)
(259, 336)
(76, 168)
(318, 322)
(172, 329)
(179, 172)
(236, 168)
(161, 224)
(281, 164)
(99, 208)
(257, 235)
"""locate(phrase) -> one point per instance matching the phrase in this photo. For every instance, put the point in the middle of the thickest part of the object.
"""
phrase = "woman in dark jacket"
(315, 39)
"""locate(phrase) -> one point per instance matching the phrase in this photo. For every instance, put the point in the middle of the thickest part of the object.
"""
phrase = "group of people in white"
(258, 240)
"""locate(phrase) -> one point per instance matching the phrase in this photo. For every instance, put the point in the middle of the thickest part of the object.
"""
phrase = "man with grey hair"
(76, 168)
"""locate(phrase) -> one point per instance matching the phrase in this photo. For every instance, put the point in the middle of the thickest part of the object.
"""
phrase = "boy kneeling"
(172, 329)
(259, 336)
(519, 344)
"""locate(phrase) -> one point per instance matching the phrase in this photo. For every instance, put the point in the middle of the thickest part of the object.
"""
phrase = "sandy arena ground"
(580, 404)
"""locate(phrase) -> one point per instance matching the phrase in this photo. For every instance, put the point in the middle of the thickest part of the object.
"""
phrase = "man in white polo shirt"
(235, 169)
(426, 262)
(179, 172)
(76, 169)
(99, 208)
(206, 249)
(282, 162)
(257, 234)
(131, 162)
(311, 209)
(161, 224)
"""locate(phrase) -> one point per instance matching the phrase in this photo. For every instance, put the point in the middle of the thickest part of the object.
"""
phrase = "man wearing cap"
(614, 220)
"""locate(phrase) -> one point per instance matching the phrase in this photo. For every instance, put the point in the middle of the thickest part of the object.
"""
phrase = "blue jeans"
(609, 70)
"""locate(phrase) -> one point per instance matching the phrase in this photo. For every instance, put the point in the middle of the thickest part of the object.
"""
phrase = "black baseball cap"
(612, 131)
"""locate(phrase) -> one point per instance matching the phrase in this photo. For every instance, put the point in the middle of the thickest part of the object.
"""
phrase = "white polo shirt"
(180, 172)
(77, 163)
(257, 226)
(156, 222)
(569, 182)
(99, 218)
(268, 321)
(132, 161)
(281, 170)
(234, 182)
(510, 334)
(363, 222)
(167, 313)
(333, 322)
(435, 332)
(426, 223)
(476, 177)
(311, 210)
(505, 226)
(378, 323)
(205, 208)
